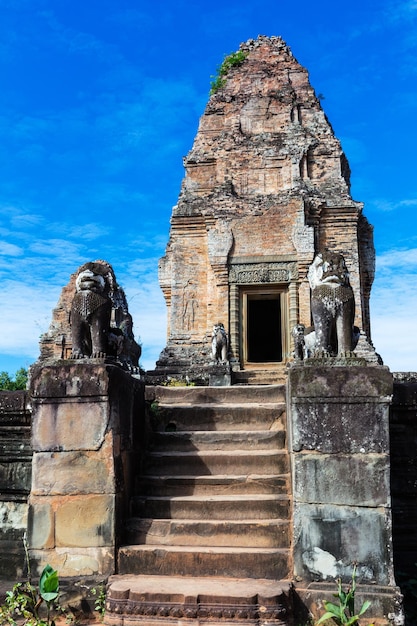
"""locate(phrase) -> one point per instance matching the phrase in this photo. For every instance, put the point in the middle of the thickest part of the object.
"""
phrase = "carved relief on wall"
(189, 305)
(254, 273)
(219, 242)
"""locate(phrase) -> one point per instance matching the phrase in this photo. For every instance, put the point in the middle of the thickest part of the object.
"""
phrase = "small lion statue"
(332, 305)
(219, 343)
(300, 349)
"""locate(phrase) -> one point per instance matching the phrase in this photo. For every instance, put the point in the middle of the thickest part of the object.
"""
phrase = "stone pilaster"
(339, 443)
(85, 428)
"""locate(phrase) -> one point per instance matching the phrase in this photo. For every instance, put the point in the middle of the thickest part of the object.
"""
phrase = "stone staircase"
(209, 533)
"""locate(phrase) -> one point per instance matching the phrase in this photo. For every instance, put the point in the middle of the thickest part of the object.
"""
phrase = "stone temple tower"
(266, 188)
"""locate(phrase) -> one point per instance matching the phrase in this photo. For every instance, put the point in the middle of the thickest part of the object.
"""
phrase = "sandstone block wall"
(339, 442)
(86, 422)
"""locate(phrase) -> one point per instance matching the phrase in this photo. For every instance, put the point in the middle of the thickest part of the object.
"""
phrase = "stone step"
(215, 395)
(230, 440)
(274, 376)
(226, 533)
(239, 507)
(270, 563)
(220, 417)
(217, 462)
(214, 485)
(159, 600)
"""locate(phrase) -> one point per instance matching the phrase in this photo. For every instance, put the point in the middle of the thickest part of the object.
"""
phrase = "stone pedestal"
(339, 445)
(86, 418)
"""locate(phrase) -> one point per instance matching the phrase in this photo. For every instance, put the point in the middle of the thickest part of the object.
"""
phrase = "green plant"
(231, 60)
(179, 382)
(344, 612)
(23, 602)
(100, 599)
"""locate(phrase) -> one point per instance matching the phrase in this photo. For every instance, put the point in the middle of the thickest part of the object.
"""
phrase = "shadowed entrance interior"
(264, 336)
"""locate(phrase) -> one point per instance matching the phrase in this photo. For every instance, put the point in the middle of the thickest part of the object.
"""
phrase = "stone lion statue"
(219, 343)
(300, 348)
(100, 322)
(332, 305)
(91, 310)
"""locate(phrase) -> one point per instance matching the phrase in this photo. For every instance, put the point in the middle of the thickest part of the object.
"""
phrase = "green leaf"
(49, 597)
(325, 617)
(333, 609)
(342, 595)
(365, 607)
(49, 584)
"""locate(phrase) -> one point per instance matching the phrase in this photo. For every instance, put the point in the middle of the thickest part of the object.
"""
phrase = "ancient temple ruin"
(266, 187)
(238, 492)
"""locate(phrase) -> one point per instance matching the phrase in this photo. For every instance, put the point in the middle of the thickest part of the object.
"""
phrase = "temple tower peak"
(267, 187)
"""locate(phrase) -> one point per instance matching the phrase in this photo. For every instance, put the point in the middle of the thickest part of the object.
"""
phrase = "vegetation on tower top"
(231, 60)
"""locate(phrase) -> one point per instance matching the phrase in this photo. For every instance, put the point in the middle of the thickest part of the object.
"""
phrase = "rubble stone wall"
(15, 479)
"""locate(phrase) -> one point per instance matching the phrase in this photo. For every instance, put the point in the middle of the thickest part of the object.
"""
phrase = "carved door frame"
(279, 276)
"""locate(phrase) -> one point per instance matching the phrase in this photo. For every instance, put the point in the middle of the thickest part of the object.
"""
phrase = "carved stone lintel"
(257, 273)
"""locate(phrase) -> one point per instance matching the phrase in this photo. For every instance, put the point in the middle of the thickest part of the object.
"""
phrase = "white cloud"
(391, 205)
(9, 249)
(393, 307)
(394, 260)
(25, 312)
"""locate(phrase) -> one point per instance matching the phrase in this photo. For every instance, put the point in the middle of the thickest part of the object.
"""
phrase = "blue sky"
(99, 102)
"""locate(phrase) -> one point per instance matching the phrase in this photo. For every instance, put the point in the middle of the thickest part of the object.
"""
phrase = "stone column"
(86, 421)
(339, 445)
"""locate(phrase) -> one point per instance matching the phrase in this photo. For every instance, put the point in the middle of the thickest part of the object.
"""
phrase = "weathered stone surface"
(341, 502)
(328, 479)
(70, 379)
(330, 538)
(54, 472)
(15, 476)
(266, 188)
(323, 380)
(85, 448)
(386, 602)
(178, 600)
(13, 516)
(85, 521)
(355, 427)
(76, 561)
(240, 562)
(340, 409)
(14, 403)
(15, 479)
(41, 523)
(72, 425)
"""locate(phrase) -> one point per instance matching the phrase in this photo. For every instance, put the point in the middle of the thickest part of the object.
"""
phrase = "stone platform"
(170, 599)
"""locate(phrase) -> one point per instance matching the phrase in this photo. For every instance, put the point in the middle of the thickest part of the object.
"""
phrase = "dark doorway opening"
(264, 342)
